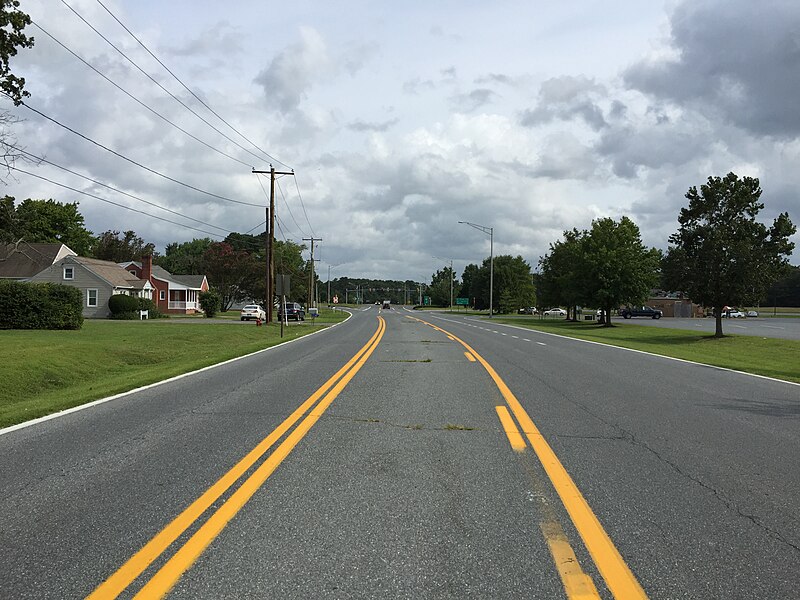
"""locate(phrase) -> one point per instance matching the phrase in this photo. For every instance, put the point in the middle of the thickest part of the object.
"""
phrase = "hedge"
(40, 306)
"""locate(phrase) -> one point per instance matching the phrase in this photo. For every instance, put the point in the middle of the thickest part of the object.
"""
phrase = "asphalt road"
(402, 482)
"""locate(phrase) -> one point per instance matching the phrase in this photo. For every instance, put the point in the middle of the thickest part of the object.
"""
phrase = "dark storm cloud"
(736, 59)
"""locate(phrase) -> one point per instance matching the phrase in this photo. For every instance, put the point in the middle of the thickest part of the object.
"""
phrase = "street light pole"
(490, 231)
(451, 279)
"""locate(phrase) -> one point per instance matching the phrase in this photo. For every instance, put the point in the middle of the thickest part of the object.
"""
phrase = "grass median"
(770, 357)
(47, 371)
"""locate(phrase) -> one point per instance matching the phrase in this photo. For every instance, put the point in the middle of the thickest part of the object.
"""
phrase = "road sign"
(336, 299)
(282, 285)
(462, 301)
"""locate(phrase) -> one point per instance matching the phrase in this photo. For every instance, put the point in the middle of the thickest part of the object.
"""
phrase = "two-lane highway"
(406, 454)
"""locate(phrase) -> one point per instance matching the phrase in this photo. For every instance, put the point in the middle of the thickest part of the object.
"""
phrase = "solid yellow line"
(166, 577)
(136, 565)
(577, 584)
(469, 356)
(618, 576)
(514, 437)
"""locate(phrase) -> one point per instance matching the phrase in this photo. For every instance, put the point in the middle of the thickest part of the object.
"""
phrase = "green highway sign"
(462, 301)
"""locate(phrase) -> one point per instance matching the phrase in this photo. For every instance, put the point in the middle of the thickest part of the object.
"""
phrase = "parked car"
(733, 313)
(640, 311)
(752, 313)
(555, 312)
(292, 311)
(252, 311)
(528, 310)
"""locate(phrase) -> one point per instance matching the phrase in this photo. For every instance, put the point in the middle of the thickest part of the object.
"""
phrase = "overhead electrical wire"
(41, 159)
(135, 99)
(138, 164)
(167, 69)
(299, 195)
(288, 208)
(90, 195)
(156, 82)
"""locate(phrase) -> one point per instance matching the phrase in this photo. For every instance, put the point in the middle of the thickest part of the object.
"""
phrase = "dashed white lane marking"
(773, 327)
(541, 343)
(502, 333)
(516, 337)
(525, 340)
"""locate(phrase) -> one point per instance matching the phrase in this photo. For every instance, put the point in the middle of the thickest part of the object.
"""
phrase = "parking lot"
(768, 327)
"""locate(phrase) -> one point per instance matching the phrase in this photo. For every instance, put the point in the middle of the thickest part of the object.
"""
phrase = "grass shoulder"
(770, 357)
(50, 371)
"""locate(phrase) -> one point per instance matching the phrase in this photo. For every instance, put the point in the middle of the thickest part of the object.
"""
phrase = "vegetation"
(210, 302)
(123, 307)
(110, 246)
(512, 287)
(12, 23)
(39, 306)
(769, 357)
(720, 254)
(45, 221)
(606, 266)
(51, 371)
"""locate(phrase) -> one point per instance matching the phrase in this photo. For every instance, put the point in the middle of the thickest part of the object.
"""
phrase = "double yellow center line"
(183, 558)
(618, 577)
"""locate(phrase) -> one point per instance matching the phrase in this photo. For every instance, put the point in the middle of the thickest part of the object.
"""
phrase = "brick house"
(173, 294)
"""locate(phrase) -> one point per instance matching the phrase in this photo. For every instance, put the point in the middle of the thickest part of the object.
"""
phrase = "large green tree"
(560, 281)
(442, 282)
(720, 254)
(184, 258)
(110, 246)
(512, 287)
(230, 272)
(12, 23)
(616, 268)
(48, 221)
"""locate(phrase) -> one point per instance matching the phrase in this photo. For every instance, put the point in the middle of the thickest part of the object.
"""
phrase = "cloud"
(473, 100)
(359, 125)
(734, 61)
(292, 73)
(566, 98)
(221, 37)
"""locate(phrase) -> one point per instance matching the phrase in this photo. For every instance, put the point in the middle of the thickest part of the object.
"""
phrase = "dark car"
(292, 311)
(640, 311)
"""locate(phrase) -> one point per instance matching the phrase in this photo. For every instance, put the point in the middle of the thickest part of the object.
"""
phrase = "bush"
(210, 302)
(40, 306)
(123, 307)
(151, 308)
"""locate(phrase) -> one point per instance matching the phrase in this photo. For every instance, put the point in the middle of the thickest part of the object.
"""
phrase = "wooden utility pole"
(269, 292)
(311, 280)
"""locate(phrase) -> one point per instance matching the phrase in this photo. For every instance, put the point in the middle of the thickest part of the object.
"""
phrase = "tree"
(12, 24)
(109, 246)
(560, 280)
(185, 258)
(48, 221)
(230, 272)
(721, 254)
(615, 267)
(440, 287)
(513, 284)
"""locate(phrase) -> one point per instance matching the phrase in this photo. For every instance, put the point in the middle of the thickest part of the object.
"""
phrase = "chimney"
(147, 267)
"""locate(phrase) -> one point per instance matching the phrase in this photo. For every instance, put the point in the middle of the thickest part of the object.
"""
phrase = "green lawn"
(763, 356)
(47, 371)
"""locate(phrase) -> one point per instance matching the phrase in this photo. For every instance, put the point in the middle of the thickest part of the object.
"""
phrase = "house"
(22, 260)
(97, 279)
(174, 294)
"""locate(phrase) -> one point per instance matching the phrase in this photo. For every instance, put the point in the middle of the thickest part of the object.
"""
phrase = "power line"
(299, 195)
(291, 214)
(141, 43)
(111, 187)
(135, 99)
(130, 160)
(156, 82)
(111, 202)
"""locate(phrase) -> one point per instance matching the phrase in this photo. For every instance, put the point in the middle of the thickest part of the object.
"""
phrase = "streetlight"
(451, 279)
(490, 231)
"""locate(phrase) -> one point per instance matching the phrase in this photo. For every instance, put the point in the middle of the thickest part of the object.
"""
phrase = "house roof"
(111, 272)
(187, 281)
(191, 281)
(23, 260)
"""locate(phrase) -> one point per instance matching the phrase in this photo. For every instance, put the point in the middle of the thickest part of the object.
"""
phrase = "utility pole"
(269, 292)
(490, 231)
(311, 286)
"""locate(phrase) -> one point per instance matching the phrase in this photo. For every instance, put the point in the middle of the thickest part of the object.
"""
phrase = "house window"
(91, 297)
(133, 273)
(162, 295)
(69, 272)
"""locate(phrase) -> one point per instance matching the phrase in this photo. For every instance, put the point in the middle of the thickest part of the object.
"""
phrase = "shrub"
(151, 308)
(40, 306)
(123, 307)
(210, 302)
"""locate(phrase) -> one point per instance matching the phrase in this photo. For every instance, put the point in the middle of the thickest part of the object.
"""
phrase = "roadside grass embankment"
(770, 357)
(43, 372)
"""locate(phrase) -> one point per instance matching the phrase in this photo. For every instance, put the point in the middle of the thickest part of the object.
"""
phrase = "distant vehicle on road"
(528, 310)
(555, 312)
(641, 311)
(752, 313)
(733, 313)
(292, 311)
(252, 311)
(386, 305)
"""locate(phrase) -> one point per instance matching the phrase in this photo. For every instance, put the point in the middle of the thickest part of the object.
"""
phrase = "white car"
(252, 311)
(733, 313)
(555, 312)
(752, 313)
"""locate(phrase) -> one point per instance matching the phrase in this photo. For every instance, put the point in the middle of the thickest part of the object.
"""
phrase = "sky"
(401, 119)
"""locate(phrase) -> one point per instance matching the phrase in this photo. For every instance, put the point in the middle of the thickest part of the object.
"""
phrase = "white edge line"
(67, 411)
(683, 360)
